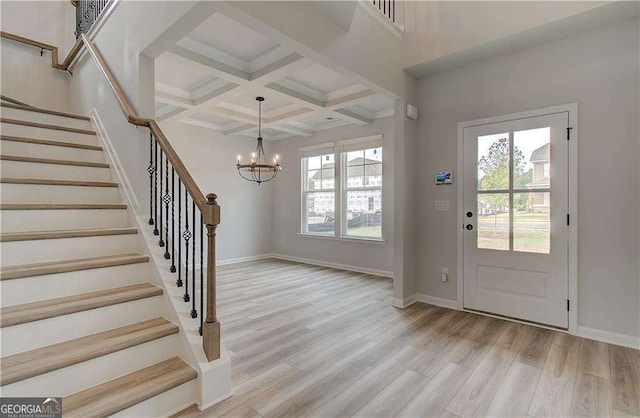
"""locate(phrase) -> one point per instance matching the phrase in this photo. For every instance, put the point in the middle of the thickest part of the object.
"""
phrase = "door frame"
(572, 169)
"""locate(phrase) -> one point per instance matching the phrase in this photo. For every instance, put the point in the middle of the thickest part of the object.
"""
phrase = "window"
(318, 191)
(363, 192)
(342, 188)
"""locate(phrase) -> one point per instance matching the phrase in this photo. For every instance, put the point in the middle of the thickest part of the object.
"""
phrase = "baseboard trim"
(609, 337)
(404, 303)
(338, 266)
(115, 161)
(432, 300)
(241, 259)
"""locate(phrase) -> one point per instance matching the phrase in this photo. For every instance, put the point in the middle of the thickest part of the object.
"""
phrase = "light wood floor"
(313, 341)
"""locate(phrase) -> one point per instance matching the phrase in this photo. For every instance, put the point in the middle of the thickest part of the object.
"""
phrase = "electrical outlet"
(444, 275)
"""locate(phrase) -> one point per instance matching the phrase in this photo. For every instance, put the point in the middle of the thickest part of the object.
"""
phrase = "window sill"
(379, 241)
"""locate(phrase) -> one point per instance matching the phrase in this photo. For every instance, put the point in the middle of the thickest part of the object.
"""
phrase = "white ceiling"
(213, 75)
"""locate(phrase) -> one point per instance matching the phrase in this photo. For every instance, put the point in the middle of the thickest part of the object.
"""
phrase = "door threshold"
(518, 320)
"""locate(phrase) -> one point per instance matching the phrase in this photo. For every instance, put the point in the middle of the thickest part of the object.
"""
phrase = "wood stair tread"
(50, 182)
(65, 266)
(21, 159)
(42, 360)
(34, 311)
(14, 101)
(58, 206)
(49, 142)
(49, 112)
(47, 126)
(69, 233)
(121, 393)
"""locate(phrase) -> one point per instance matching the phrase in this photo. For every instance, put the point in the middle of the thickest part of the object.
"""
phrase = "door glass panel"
(493, 221)
(531, 222)
(493, 162)
(532, 159)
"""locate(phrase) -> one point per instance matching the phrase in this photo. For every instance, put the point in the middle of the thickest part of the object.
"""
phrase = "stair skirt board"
(45, 250)
(74, 378)
(42, 220)
(28, 336)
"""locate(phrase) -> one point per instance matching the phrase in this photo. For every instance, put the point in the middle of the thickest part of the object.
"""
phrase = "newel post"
(211, 326)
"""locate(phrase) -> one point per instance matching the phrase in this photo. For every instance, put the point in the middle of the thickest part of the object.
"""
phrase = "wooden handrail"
(208, 205)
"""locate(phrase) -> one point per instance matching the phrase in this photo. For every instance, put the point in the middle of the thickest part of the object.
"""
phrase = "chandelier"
(258, 169)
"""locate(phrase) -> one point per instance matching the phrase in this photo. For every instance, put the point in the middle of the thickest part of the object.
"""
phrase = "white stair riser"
(49, 286)
(35, 251)
(47, 220)
(41, 193)
(19, 114)
(31, 335)
(164, 404)
(68, 380)
(24, 149)
(18, 169)
(11, 129)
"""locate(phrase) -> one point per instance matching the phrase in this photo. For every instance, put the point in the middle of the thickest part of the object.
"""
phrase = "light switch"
(441, 205)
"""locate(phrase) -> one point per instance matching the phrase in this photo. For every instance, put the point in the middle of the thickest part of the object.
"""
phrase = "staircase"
(81, 318)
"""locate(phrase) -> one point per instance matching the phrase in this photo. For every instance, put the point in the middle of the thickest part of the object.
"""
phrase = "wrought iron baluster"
(194, 313)
(172, 269)
(155, 188)
(202, 229)
(179, 281)
(186, 235)
(166, 198)
(160, 242)
(151, 170)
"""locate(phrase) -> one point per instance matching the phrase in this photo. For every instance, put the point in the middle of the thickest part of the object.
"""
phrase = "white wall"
(600, 71)
(287, 203)
(245, 208)
(131, 28)
(25, 75)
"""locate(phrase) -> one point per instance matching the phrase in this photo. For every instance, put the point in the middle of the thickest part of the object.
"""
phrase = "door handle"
(469, 227)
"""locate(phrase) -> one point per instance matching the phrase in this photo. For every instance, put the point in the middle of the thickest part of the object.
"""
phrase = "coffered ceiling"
(213, 75)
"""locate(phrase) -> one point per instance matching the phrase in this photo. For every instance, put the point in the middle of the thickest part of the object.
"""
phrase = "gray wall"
(600, 71)
(245, 208)
(287, 206)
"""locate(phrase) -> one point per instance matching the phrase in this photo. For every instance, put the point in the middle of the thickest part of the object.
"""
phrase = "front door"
(515, 199)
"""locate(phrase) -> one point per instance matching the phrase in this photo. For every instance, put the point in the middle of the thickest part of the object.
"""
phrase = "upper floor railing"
(87, 12)
(200, 211)
(387, 7)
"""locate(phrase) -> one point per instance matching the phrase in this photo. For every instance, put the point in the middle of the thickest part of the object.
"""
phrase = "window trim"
(340, 188)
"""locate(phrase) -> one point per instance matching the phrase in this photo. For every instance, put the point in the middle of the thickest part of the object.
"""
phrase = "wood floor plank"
(625, 377)
(594, 357)
(592, 397)
(476, 394)
(393, 398)
(535, 353)
(353, 398)
(554, 394)
(516, 391)
(310, 399)
(271, 399)
(436, 395)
